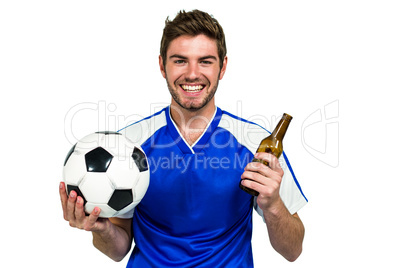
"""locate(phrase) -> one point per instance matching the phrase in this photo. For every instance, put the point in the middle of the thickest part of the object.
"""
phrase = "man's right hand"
(73, 212)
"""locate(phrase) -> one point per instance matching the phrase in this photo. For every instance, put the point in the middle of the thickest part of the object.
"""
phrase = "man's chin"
(192, 107)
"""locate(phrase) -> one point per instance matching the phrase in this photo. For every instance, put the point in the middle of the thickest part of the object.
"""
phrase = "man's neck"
(192, 124)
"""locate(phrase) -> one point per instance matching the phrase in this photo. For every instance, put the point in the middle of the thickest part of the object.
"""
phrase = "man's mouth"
(192, 88)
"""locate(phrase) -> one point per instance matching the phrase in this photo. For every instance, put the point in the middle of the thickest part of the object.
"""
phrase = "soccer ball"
(108, 171)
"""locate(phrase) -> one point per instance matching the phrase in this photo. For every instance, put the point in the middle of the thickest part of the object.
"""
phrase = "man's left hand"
(265, 180)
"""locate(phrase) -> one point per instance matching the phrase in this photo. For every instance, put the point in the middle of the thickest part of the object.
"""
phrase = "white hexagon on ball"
(123, 173)
(96, 187)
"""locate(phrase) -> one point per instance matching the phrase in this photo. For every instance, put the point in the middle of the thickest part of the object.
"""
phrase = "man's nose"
(193, 71)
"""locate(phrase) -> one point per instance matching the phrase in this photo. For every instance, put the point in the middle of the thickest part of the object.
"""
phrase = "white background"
(69, 68)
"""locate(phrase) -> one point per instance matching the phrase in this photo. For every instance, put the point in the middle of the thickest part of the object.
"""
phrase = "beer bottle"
(271, 144)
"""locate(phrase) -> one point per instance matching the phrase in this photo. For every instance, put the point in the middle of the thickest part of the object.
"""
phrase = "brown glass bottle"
(271, 144)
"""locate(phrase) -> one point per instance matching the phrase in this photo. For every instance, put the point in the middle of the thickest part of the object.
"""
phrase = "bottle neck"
(281, 127)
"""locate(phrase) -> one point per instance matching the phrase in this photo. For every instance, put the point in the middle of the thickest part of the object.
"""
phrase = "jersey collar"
(201, 142)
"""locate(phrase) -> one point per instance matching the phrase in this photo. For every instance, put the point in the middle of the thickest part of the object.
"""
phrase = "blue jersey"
(194, 214)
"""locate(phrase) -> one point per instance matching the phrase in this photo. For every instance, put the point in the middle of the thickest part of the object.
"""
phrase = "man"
(194, 214)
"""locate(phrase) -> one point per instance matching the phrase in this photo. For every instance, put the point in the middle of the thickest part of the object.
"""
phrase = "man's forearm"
(114, 243)
(286, 231)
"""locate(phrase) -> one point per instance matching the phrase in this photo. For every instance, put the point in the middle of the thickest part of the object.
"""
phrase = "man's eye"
(206, 62)
(179, 61)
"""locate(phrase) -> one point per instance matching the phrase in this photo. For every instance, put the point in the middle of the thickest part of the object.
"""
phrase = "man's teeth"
(192, 88)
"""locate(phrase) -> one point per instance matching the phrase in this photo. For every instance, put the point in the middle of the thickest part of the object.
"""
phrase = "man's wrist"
(274, 210)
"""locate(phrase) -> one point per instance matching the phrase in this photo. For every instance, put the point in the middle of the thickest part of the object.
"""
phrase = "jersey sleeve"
(127, 215)
(290, 190)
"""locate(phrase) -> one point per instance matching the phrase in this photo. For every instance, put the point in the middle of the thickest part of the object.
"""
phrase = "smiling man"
(194, 71)
(194, 214)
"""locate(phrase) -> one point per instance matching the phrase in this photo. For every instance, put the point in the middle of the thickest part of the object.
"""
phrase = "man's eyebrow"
(209, 57)
(202, 58)
(177, 56)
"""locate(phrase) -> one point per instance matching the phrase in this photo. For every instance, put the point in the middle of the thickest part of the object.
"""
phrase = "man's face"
(192, 70)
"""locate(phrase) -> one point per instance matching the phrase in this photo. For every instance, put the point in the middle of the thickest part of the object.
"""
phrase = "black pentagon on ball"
(98, 160)
(108, 132)
(77, 190)
(120, 199)
(69, 154)
(140, 159)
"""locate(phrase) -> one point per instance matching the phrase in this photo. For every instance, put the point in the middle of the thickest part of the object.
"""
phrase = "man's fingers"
(255, 177)
(272, 160)
(63, 198)
(79, 209)
(258, 167)
(71, 207)
(91, 221)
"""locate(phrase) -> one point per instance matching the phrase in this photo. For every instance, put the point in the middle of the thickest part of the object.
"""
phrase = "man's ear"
(162, 67)
(223, 69)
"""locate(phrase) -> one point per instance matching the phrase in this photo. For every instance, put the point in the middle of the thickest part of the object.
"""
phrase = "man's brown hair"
(193, 23)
